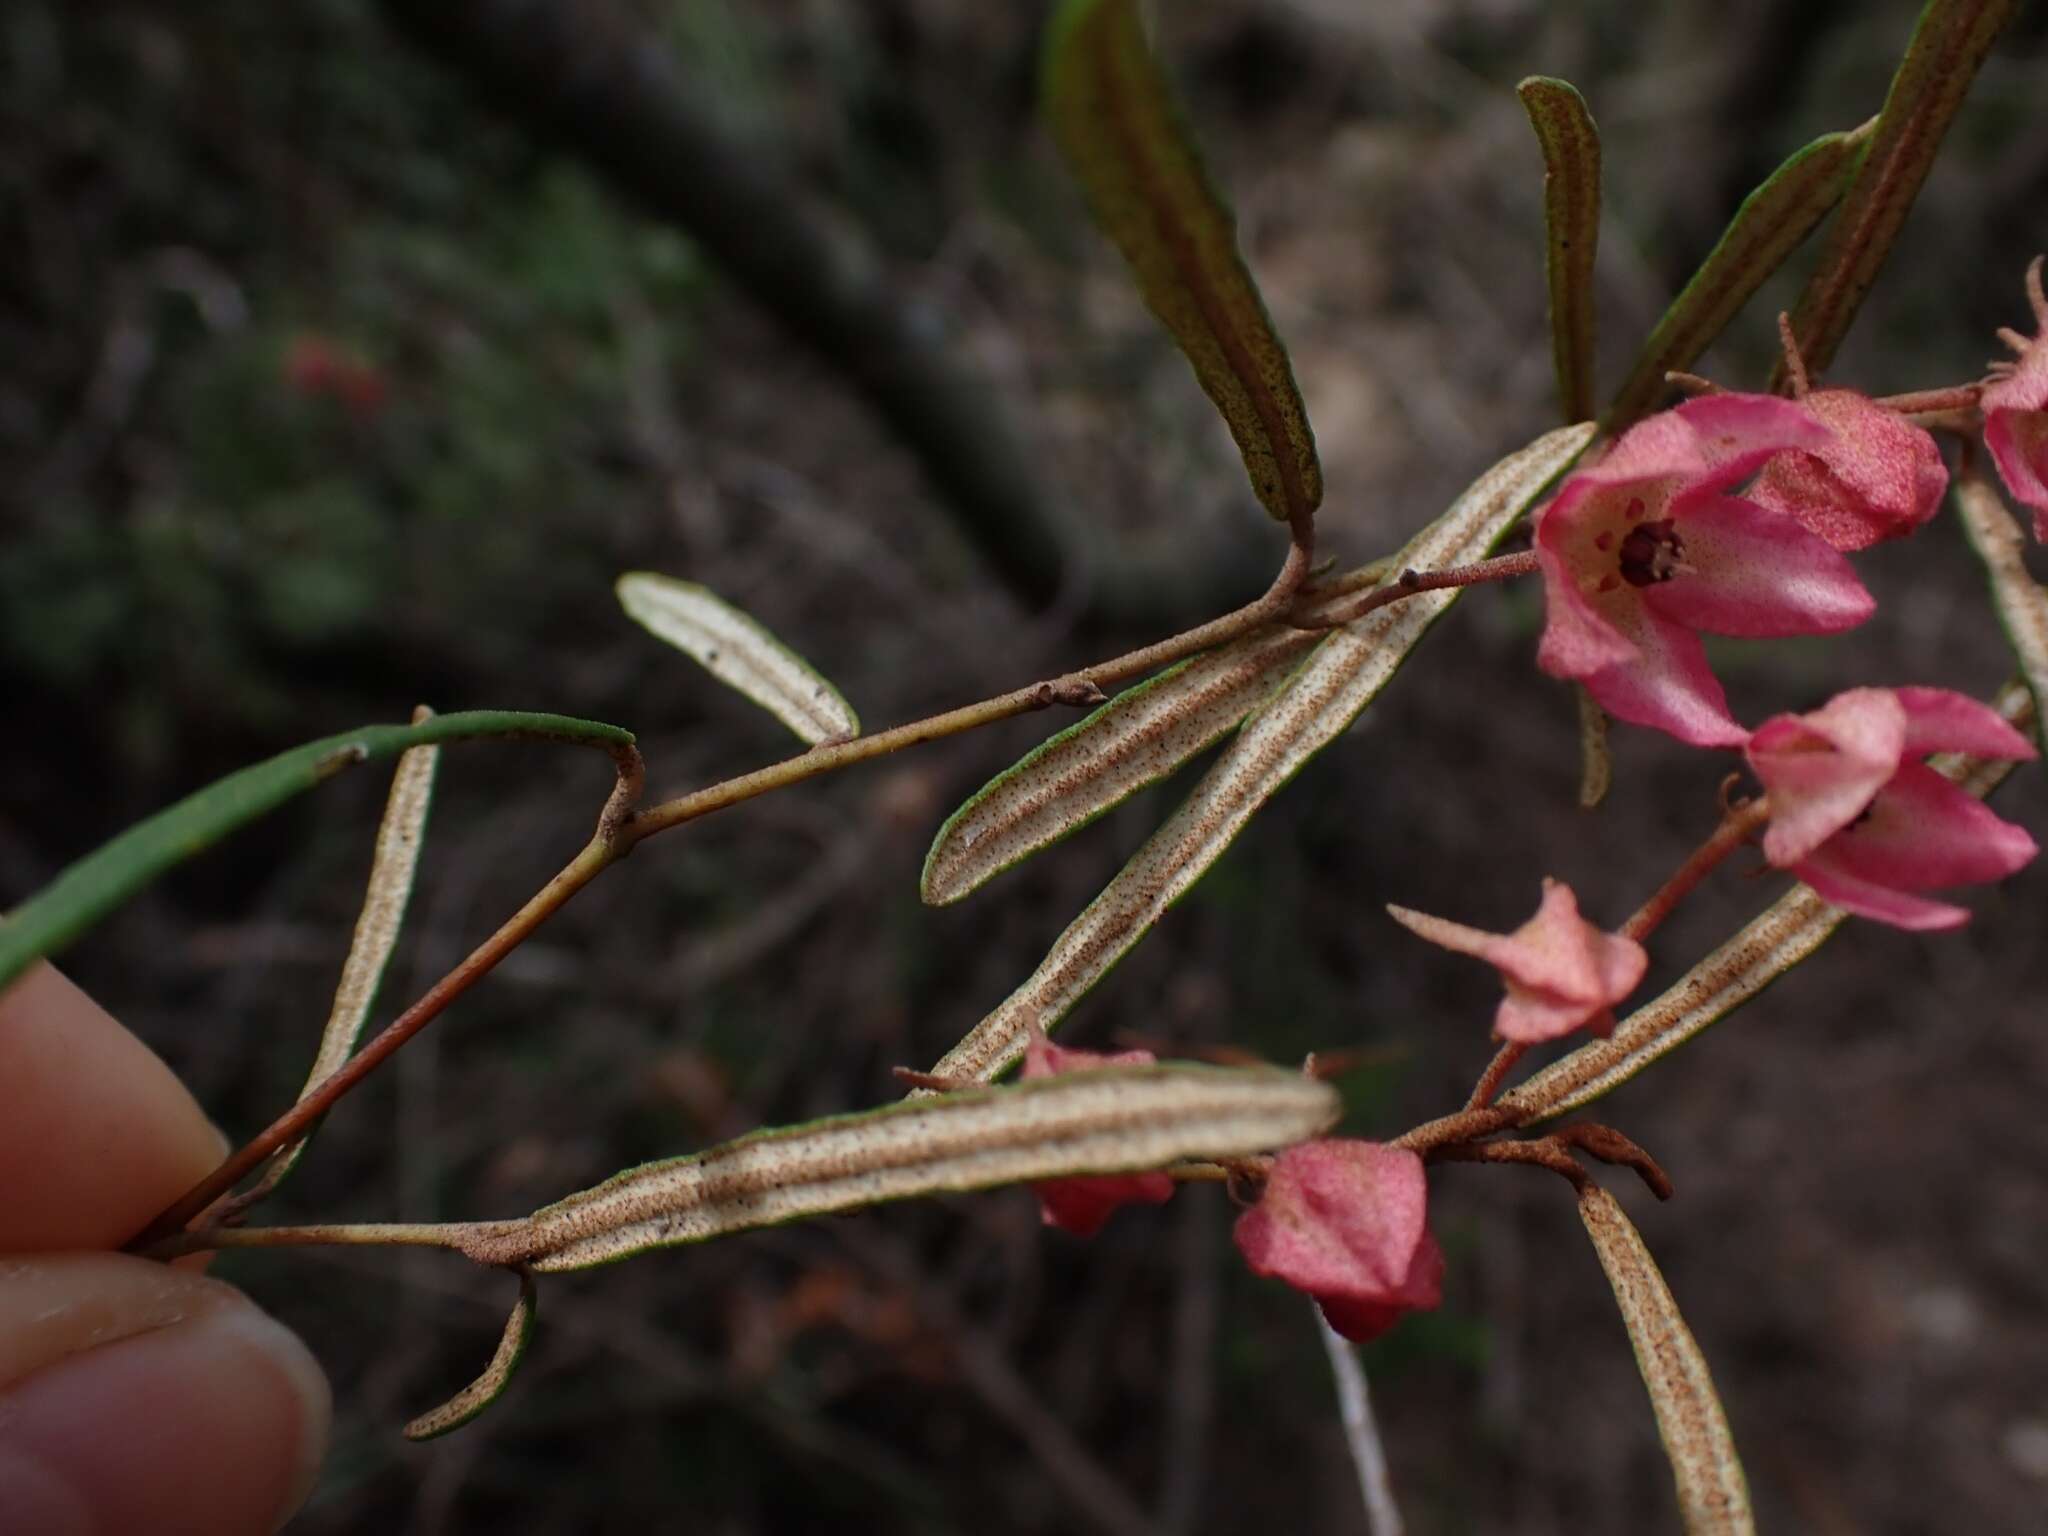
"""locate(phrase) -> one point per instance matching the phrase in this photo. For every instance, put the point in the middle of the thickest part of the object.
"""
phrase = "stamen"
(1652, 553)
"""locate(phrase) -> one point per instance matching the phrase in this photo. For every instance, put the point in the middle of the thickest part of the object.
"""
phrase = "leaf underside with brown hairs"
(1571, 215)
(1136, 739)
(1786, 933)
(1772, 223)
(1948, 45)
(393, 865)
(1122, 132)
(2021, 602)
(740, 652)
(1111, 1120)
(1596, 762)
(1713, 1495)
(497, 1376)
(1311, 709)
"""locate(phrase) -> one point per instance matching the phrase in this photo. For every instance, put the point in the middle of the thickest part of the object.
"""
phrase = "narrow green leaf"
(103, 879)
(1315, 705)
(737, 650)
(1136, 739)
(393, 865)
(1941, 61)
(2021, 603)
(1114, 115)
(1713, 1495)
(1571, 216)
(1771, 224)
(487, 1388)
(1787, 932)
(1112, 1120)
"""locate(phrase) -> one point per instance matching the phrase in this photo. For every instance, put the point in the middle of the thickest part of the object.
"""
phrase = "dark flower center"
(1651, 553)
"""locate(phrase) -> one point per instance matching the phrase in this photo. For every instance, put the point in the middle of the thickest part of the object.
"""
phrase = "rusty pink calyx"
(1562, 973)
(1878, 476)
(1347, 1222)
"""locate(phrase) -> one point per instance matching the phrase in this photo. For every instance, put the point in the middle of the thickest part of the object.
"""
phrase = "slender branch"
(1081, 688)
(603, 850)
(455, 1235)
(1544, 1152)
(1736, 828)
(1361, 1434)
(621, 828)
(1408, 583)
(1503, 1063)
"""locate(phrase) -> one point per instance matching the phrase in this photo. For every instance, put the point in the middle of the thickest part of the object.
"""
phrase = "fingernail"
(214, 1424)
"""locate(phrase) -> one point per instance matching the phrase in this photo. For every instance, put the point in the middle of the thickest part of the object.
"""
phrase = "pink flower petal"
(1756, 572)
(1881, 903)
(1939, 720)
(1339, 1219)
(1667, 685)
(1924, 831)
(1880, 478)
(1821, 770)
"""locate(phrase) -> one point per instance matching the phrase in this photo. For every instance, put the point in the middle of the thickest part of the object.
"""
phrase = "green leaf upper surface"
(1571, 210)
(103, 879)
(1115, 118)
(1949, 43)
(1771, 224)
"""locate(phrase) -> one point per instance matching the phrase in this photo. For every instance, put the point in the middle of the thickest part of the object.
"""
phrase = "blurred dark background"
(338, 378)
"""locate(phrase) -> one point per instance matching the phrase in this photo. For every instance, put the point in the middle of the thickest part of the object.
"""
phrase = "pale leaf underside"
(1315, 705)
(392, 868)
(1713, 1495)
(738, 651)
(1116, 1119)
(1136, 739)
(487, 1388)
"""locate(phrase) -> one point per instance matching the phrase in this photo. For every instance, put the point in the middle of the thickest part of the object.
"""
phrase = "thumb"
(136, 1397)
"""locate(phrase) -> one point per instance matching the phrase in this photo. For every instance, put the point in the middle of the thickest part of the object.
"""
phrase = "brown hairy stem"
(1738, 826)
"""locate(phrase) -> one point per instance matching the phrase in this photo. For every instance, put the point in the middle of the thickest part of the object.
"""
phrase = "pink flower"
(1879, 477)
(1562, 973)
(1645, 549)
(1347, 1222)
(1082, 1205)
(1857, 816)
(2016, 412)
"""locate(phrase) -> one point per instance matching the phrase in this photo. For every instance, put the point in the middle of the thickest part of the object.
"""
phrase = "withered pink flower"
(1082, 1205)
(1646, 548)
(2016, 412)
(1879, 477)
(1347, 1222)
(1858, 816)
(1562, 973)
